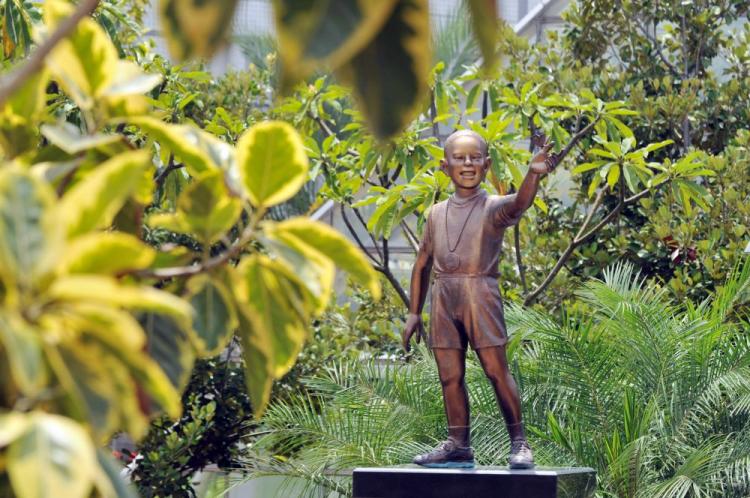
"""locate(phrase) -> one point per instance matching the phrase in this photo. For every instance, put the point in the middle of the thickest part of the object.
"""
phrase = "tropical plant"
(652, 394)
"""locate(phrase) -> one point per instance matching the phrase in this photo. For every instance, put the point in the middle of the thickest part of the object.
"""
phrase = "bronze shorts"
(466, 309)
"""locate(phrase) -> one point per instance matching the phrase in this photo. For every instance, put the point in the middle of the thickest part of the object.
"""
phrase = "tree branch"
(375, 263)
(211, 263)
(410, 237)
(578, 239)
(17, 78)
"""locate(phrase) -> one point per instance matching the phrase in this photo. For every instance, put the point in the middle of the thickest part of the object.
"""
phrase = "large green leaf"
(106, 253)
(215, 316)
(389, 75)
(94, 201)
(68, 137)
(85, 62)
(484, 17)
(170, 347)
(54, 457)
(272, 162)
(277, 309)
(23, 350)
(195, 28)
(325, 33)
(319, 240)
(256, 350)
(206, 210)
(29, 234)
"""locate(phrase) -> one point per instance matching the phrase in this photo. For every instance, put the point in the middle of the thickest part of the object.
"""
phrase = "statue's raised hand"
(413, 324)
(543, 161)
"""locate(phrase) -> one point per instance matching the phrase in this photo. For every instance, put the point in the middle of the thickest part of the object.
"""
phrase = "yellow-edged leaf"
(107, 290)
(325, 33)
(272, 162)
(484, 17)
(195, 28)
(85, 62)
(389, 75)
(207, 207)
(53, 457)
(183, 140)
(311, 237)
(94, 201)
(22, 344)
(278, 306)
(30, 235)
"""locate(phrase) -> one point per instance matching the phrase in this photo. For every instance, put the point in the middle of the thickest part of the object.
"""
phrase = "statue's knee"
(451, 380)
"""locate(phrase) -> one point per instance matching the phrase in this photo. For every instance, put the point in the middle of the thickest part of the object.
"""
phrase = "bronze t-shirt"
(478, 248)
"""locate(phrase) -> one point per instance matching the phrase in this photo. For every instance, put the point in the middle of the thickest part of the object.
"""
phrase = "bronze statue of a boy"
(462, 241)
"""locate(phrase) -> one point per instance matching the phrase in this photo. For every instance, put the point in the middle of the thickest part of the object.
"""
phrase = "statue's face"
(465, 162)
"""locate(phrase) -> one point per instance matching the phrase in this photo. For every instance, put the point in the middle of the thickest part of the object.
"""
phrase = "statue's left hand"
(543, 161)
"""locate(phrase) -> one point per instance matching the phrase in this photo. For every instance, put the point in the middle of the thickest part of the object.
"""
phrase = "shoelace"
(517, 446)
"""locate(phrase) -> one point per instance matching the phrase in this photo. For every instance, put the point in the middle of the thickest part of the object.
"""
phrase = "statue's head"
(465, 159)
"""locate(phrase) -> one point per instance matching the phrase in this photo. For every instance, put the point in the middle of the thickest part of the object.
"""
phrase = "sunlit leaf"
(272, 162)
(69, 138)
(277, 309)
(309, 236)
(207, 207)
(94, 201)
(53, 457)
(182, 140)
(85, 62)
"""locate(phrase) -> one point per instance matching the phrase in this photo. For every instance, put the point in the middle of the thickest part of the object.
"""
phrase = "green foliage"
(651, 394)
(216, 415)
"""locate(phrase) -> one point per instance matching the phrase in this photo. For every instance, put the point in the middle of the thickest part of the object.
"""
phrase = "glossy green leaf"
(22, 344)
(195, 28)
(53, 457)
(272, 162)
(389, 75)
(106, 253)
(215, 316)
(93, 202)
(325, 33)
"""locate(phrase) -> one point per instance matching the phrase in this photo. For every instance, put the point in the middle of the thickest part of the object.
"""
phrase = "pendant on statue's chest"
(452, 261)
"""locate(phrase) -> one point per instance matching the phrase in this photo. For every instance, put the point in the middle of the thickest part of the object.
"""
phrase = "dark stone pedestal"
(411, 481)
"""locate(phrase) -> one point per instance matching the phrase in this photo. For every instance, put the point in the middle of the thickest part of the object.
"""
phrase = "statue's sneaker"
(521, 456)
(448, 455)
